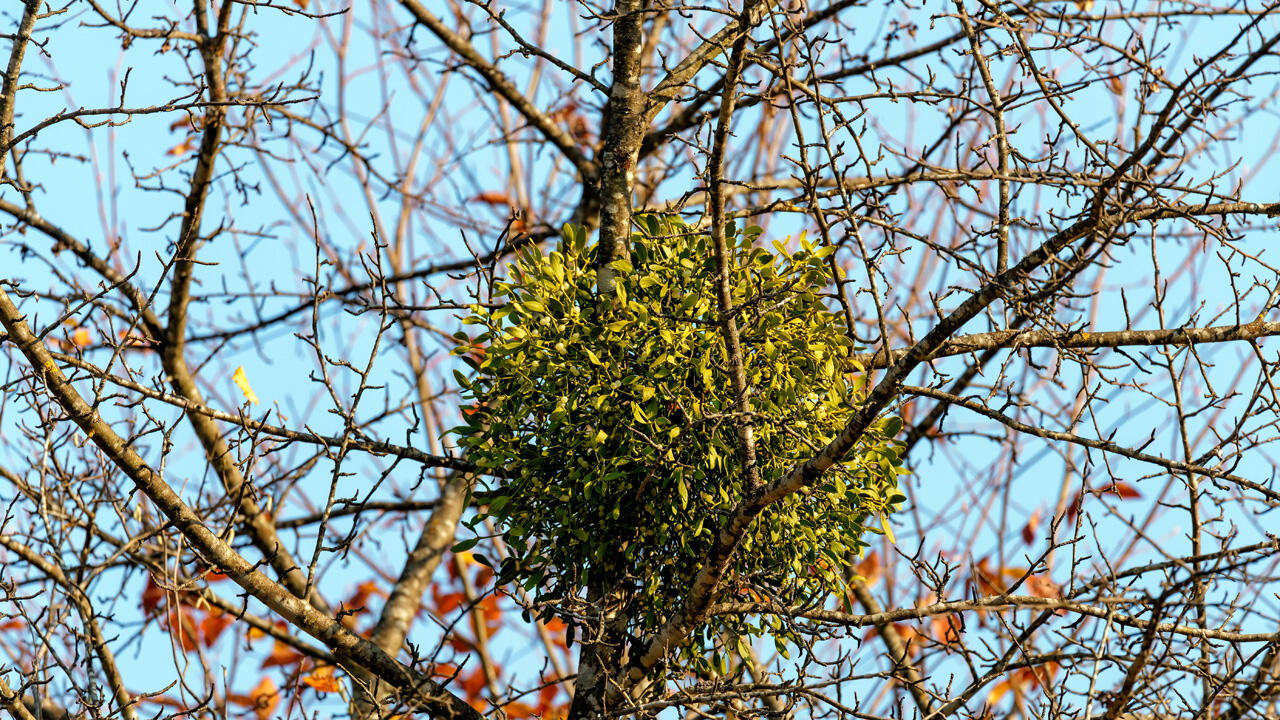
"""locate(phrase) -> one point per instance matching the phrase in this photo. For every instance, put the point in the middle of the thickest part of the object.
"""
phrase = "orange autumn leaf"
(912, 637)
(492, 614)
(473, 683)
(988, 581)
(444, 670)
(869, 568)
(210, 574)
(183, 628)
(446, 602)
(265, 698)
(947, 629)
(999, 690)
(358, 603)
(1074, 507)
(493, 197)
(281, 656)
(81, 338)
(1022, 680)
(133, 339)
(1017, 573)
(1029, 530)
(546, 696)
(557, 630)
(1120, 489)
(213, 625)
(360, 598)
(152, 596)
(460, 644)
(1043, 674)
(1123, 490)
(517, 226)
(322, 680)
(519, 711)
(183, 147)
(1041, 586)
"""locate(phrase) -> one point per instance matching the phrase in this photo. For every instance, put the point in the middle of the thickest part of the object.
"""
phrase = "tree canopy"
(777, 359)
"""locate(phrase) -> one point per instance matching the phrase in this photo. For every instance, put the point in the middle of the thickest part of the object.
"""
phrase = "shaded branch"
(1081, 340)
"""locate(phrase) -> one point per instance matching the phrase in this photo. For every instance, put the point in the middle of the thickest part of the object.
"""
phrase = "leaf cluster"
(612, 422)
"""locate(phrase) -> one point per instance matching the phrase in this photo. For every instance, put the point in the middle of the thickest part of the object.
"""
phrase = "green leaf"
(892, 426)
(497, 505)
(465, 545)
(744, 652)
(888, 529)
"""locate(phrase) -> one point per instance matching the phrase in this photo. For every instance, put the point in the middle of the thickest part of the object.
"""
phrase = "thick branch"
(898, 651)
(727, 319)
(435, 539)
(261, 529)
(15, 704)
(991, 602)
(624, 125)
(12, 73)
(1070, 339)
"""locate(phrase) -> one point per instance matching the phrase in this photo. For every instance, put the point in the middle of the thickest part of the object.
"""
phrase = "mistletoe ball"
(606, 427)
